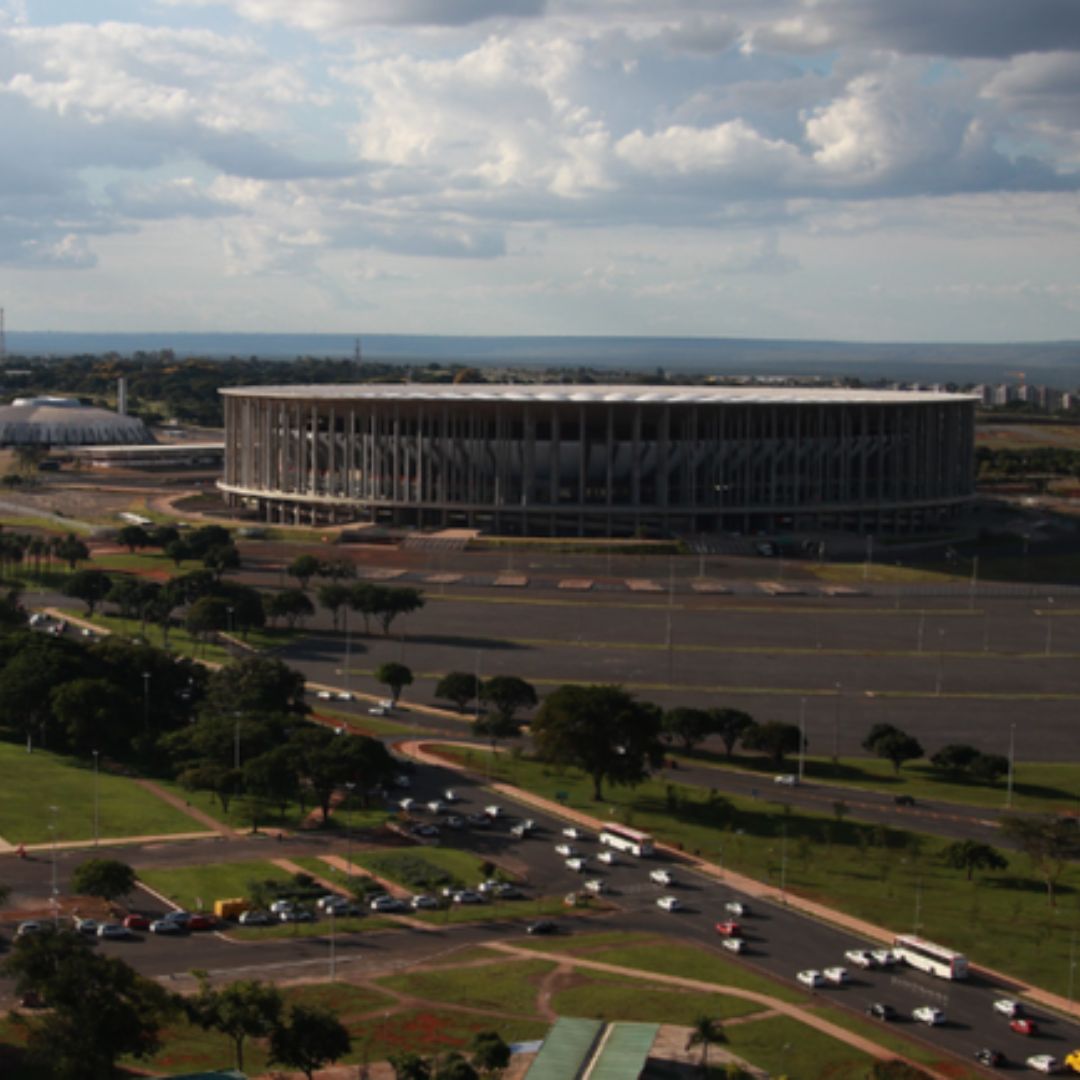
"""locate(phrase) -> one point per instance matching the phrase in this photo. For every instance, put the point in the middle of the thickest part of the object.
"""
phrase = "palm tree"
(705, 1032)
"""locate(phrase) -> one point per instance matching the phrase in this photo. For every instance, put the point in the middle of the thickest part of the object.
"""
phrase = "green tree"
(493, 727)
(221, 781)
(334, 597)
(954, 759)
(730, 725)
(490, 1054)
(110, 879)
(179, 550)
(206, 616)
(247, 1009)
(255, 684)
(690, 726)
(72, 550)
(101, 1009)
(89, 586)
(311, 1038)
(970, 855)
(458, 687)
(293, 605)
(773, 738)
(409, 1066)
(221, 558)
(603, 730)
(989, 768)
(94, 714)
(132, 537)
(892, 744)
(206, 537)
(395, 601)
(507, 695)
(1048, 841)
(365, 598)
(395, 676)
(705, 1032)
(273, 776)
(454, 1066)
(304, 568)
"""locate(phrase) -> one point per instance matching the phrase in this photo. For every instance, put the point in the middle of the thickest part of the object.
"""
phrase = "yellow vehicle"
(1072, 1061)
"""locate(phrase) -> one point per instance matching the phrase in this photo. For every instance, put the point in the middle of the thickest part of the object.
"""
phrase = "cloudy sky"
(895, 170)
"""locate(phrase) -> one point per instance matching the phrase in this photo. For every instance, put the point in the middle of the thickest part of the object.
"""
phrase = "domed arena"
(60, 421)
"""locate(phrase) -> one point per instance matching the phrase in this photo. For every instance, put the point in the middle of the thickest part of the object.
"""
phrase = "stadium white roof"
(55, 421)
(585, 394)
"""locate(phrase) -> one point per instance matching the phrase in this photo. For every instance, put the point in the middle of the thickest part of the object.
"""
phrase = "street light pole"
(96, 831)
(802, 735)
(236, 742)
(55, 889)
(1012, 759)
(836, 726)
(1049, 623)
(940, 660)
(146, 699)
(333, 945)
(922, 626)
(348, 831)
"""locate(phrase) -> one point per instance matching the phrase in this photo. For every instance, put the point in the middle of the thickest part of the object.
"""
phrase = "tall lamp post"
(146, 700)
(96, 831)
(1049, 623)
(349, 787)
(1012, 760)
(802, 736)
(55, 900)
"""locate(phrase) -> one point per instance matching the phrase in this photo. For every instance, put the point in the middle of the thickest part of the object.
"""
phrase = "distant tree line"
(1027, 461)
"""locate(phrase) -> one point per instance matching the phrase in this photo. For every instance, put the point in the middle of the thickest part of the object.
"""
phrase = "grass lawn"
(608, 997)
(239, 813)
(888, 876)
(543, 906)
(446, 866)
(503, 985)
(195, 888)
(1037, 786)
(784, 1047)
(35, 782)
(321, 928)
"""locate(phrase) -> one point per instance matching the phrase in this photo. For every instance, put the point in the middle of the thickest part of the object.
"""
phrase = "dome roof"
(57, 421)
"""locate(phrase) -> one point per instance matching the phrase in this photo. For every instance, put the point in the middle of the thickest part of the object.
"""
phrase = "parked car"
(324, 695)
(597, 886)
(296, 915)
(493, 811)
(163, 927)
(135, 921)
(861, 958)
(406, 804)
(202, 922)
(661, 877)
(1043, 1063)
(728, 928)
(928, 1014)
(811, 978)
(28, 926)
(578, 863)
(572, 832)
(376, 710)
(450, 795)
(344, 695)
(425, 830)
(541, 926)
(885, 958)
(734, 944)
(1023, 1026)
(838, 976)
(565, 850)
(423, 902)
(787, 779)
(278, 906)
(255, 918)
(467, 896)
(669, 903)
(1072, 1061)
(738, 908)
(437, 806)
(386, 904)
(113, 932)
(879, 1010)
(86, 926)
(479, 821)
(904, 800)
(986, 1055)
(452, 821)
(608, 857)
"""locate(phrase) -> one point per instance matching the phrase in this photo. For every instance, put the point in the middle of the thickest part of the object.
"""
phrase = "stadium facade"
(60, 421)
(600, 460)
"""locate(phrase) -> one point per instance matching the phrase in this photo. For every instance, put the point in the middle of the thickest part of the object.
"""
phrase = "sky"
(866, 170)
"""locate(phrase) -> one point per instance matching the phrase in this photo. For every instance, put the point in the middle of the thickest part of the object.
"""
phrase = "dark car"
(986, 1056)
(880, 1011)
(904, 800)
(135, 921)
(541, 926)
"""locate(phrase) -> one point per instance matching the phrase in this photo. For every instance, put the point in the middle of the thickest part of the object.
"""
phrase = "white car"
(861, 958)
(113, 932)
(577, 864)
(450, 795)
(376, 710)
(493, 811)
(406, 803)
(437, 806)
(838, 976)
(738, 908)
(254, 918)
(1008, 1007)
(572, 832)
(811, 978)
(1044, 1063)
(597, 887)
(27, 927)
(344, 695)
(422, 902)
(565, 850)
(928, 1014)
(661, 877)
(467, 896)
(609, 858)
(325, 695)
(787, 779)
(733, 944)
(669, 903)
(885, 957)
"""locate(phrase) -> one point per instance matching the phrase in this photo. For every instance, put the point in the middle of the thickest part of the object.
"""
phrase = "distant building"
(60, 421)
(153, 456)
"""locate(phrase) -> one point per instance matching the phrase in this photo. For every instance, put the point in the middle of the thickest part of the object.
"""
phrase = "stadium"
(560, 460)
(60, 421)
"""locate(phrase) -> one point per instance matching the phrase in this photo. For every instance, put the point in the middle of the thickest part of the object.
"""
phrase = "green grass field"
(609, 997)
(890, 876)
(462, 867)
(502, 986)
(33, 783)
(784, 1047)
(1041, 787)
(195, 888)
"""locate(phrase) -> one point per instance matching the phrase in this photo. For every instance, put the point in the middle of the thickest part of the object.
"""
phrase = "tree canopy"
(110, 879)
(892, 744)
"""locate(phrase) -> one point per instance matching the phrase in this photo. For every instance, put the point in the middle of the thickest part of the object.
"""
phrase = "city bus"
(926, 956)
(623, 838)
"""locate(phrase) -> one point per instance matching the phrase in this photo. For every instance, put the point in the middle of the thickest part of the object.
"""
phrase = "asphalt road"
(781, 942)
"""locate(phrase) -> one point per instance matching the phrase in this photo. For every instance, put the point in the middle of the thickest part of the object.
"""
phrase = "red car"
(1023, 1026)
(137, 922)
(729, 928)
(202, 922)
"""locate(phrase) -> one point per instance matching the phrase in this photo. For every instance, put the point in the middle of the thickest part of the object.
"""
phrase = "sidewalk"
(751, 886)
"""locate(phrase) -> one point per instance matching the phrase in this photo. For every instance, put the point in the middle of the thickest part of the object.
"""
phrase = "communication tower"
(3, 337)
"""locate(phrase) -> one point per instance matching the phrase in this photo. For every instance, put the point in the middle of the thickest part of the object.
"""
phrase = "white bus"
(134, 519)
(926, 956)
(622, 838)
